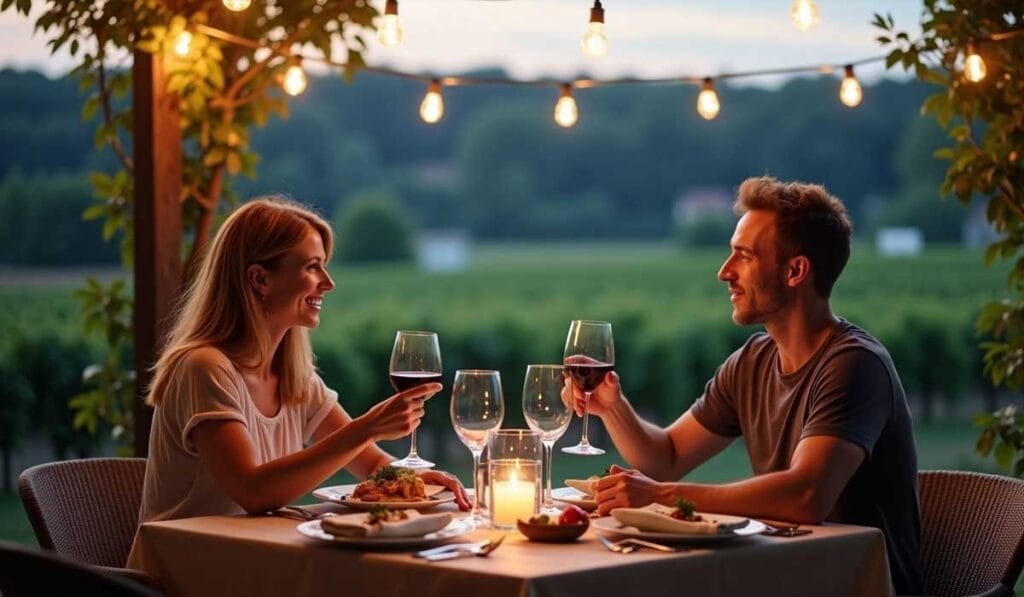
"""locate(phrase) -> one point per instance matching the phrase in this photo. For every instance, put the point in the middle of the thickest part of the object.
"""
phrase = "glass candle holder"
(514, 476)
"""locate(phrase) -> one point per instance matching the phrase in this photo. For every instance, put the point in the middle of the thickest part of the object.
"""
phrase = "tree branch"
(108, 119)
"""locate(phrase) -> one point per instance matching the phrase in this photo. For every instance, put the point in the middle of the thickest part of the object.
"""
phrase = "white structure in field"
(898, 241)
(443, 251)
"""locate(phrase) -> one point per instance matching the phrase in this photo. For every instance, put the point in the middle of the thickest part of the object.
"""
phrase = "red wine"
(404, 380)
(588, 376)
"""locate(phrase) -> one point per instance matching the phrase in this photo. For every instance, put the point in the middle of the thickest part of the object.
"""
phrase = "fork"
(650, 545)
(482, 551)
(619, 547)
(298, 512)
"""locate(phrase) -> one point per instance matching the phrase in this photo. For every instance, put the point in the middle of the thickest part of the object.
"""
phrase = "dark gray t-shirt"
(849, 389)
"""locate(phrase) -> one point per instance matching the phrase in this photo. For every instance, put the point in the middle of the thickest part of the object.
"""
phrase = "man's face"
(753, 271)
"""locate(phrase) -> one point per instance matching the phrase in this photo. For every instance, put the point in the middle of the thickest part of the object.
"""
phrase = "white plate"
(339, 494)
(613, 527)
(457, 527)
(574, 497)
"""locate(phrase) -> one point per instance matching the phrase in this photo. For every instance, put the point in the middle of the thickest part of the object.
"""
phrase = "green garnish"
(379, 513)
(391, 473)
(685, 506)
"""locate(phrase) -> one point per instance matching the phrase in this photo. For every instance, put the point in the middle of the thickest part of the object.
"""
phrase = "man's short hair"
(809, 222)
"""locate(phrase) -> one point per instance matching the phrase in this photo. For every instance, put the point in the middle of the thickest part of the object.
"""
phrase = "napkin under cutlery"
(415, 525)
(657, 518)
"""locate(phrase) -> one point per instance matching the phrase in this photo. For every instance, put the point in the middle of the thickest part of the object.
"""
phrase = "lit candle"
(514, 499)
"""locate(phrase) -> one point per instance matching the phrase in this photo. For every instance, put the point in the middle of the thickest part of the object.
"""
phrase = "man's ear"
(798, 270)
(256, 275)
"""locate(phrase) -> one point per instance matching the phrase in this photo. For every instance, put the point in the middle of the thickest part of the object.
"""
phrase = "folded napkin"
(587, 486)
(657, 518)
(355, 525)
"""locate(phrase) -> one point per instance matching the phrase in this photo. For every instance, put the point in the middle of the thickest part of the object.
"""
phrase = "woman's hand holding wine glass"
(415, 361)
(400, 415)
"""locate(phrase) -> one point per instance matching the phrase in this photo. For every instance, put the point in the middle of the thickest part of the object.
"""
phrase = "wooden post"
(157, 213)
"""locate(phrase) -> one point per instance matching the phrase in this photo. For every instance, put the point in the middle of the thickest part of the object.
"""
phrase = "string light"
(708, 105)
(974, 67)
(566, 113)
(850, 92)
(595, 42)
(432, 107)
(804, 14)
(390, 32)
(294, 81)
(237, 5)
(183, 44)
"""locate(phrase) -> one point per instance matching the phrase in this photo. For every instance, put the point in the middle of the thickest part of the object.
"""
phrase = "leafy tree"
(224, 91)
(374, 228)
(984, 121)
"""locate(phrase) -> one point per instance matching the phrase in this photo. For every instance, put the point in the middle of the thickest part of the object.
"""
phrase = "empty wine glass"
(547, 413)
(415, 360)
(477, 408)
(589, 356)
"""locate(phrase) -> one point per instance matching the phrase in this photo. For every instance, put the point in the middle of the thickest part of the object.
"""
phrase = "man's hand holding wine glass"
(604, 396)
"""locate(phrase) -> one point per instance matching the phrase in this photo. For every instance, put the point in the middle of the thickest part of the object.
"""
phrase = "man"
(816, 399)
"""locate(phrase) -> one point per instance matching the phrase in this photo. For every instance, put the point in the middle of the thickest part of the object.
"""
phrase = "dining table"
(256, 555)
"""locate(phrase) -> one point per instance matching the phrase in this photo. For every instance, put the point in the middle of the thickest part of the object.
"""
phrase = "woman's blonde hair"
(221, 308)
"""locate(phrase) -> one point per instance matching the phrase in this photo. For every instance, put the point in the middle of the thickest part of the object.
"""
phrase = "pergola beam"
(157, 216)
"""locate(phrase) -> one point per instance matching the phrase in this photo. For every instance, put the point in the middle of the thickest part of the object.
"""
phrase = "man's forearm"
(782, 495)
(645, 446)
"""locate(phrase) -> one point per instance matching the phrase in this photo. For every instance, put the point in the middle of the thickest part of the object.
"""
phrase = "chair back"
(87, 510)
(972, 532)
(29, 571)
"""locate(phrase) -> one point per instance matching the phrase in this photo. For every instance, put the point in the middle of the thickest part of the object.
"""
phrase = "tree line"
(497, 164)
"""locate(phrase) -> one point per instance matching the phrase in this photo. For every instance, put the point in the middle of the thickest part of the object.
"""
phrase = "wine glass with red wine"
(589, 356)
(415, 360)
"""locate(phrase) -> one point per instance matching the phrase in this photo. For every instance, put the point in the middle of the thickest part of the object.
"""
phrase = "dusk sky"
(538, 38)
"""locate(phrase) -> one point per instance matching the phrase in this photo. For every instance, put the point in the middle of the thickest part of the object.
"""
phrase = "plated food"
(681, 523)
(353, 530)
(385, 522)
(391, 484)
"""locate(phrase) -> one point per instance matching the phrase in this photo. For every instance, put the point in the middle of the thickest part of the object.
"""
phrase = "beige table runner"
(252, 556)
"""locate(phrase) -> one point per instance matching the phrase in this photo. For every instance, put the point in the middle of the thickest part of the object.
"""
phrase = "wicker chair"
(87, 510)
(29, 571)
(972, 532)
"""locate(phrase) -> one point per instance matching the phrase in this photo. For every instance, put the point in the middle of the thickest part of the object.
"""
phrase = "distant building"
(702, 203)
(443, 250)
(899, 241)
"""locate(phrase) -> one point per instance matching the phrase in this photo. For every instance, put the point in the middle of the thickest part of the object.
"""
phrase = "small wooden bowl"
(552, 533)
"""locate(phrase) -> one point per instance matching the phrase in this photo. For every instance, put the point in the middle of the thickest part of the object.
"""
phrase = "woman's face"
(295, 288)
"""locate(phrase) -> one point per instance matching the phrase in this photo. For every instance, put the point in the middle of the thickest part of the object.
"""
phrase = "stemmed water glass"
(547, 413)
(589, 356)
(415, 360)
(477, 408)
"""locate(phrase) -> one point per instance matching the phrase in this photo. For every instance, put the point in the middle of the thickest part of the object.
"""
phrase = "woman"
(235, 390)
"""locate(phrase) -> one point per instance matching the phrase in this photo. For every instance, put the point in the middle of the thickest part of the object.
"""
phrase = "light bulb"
(595, 42)
(432, 107)
(390, 32)
(707, 101)
(237, 5)
(183, 45)
(804, 14)
(850, 92)
(974, 67)
(566, 113)
(294, 80)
